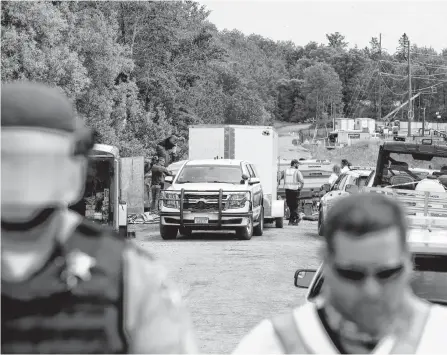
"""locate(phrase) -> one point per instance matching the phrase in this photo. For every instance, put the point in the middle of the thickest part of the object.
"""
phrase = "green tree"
(336, 40)
(323, 88)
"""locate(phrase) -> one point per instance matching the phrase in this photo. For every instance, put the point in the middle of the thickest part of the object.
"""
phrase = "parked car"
(346, 184)
(213, 194)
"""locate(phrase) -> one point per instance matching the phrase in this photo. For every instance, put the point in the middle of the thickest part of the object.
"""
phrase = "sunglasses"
(359, 275)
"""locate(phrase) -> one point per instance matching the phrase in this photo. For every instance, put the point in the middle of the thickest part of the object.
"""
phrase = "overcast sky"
(304, 21)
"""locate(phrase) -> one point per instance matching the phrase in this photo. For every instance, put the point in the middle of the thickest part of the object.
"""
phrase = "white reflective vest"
(291, 181)
(301, 332)
(426, 334)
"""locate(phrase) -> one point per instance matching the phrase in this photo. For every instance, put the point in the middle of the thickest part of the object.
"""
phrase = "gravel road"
(231, 285)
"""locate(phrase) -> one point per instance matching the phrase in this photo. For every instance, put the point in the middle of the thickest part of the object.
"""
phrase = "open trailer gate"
(102, 195)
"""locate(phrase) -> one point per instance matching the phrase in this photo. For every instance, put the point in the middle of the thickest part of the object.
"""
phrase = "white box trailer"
(255, 144)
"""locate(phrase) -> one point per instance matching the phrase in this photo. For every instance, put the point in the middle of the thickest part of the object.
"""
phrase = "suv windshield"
(429, 279)
(231, 174)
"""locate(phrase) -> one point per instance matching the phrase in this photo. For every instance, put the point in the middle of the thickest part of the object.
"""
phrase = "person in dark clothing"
(158, 173)
(69, 285)
(167, 149)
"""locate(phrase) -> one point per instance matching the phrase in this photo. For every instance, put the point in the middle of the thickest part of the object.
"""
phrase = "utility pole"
(410, 107)
(423, 123)
(379, 113)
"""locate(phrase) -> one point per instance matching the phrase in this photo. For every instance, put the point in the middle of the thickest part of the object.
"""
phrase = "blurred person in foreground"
(366, 305)
(68, 285)
(293, 183)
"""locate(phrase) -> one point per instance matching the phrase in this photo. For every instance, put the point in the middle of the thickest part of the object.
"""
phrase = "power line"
(391, 76)
(428, 55)
(429, 65)
(427, 87)
(395, 93)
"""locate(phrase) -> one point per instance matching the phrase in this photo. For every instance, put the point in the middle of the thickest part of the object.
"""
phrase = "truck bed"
(417, 203)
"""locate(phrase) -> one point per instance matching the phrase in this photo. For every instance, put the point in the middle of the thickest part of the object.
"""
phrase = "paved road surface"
(231, 285)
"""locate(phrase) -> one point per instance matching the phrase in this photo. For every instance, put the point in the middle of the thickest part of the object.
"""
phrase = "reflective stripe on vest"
(290, 179)
(308, 334)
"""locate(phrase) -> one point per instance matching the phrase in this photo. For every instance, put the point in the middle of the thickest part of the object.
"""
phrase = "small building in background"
(352, 136)
(344, 124)
(365, 124)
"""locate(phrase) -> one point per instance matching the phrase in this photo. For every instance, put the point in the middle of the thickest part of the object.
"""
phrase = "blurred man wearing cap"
(293, 183)
(68, 285)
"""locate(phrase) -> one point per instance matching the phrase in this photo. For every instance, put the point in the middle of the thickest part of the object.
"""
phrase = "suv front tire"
(245, 233)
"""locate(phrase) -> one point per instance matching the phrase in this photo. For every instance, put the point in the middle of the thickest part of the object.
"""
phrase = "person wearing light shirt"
(336, 171)
(345, 166)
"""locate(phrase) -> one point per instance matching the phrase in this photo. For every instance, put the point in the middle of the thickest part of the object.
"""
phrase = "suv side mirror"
(169, 179)
(326, 187)
(254, 180)
(245, 177)
(304, 277)
(351, 189)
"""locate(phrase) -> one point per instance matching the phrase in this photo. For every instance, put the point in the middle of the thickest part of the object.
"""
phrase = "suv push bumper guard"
(219, 210)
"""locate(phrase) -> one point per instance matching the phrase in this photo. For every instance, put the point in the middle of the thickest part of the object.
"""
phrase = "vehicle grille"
(206, 196)
(202, 206)
(203, 202)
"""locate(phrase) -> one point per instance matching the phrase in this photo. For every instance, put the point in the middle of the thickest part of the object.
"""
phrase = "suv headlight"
(171, 200)
(237, 200)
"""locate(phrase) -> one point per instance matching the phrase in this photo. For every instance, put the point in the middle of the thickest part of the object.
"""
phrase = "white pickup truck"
(213, 194)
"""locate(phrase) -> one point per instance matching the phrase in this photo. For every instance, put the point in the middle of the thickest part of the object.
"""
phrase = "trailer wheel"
(279, 222)
(168, 232)
(259, 229)
(320, 224)
(245, 233)
(186, 232)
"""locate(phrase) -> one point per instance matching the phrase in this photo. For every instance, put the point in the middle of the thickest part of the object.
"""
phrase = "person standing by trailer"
(69, 285)
(167, 149)
(158, 173)
(293, 183)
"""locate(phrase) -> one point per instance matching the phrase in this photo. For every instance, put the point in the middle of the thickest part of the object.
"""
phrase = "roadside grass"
(360, 154)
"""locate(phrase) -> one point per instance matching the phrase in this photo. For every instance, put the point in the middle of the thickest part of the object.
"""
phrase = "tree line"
(138, 72)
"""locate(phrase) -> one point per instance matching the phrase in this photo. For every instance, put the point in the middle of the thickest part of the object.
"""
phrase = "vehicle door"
(336, 192)
(257, 188)
(335, 187)
(256, 191)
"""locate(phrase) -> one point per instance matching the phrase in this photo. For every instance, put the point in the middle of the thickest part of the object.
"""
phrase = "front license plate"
(201, 220)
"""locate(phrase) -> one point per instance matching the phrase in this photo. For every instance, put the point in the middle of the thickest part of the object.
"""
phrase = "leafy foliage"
(139, 71)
